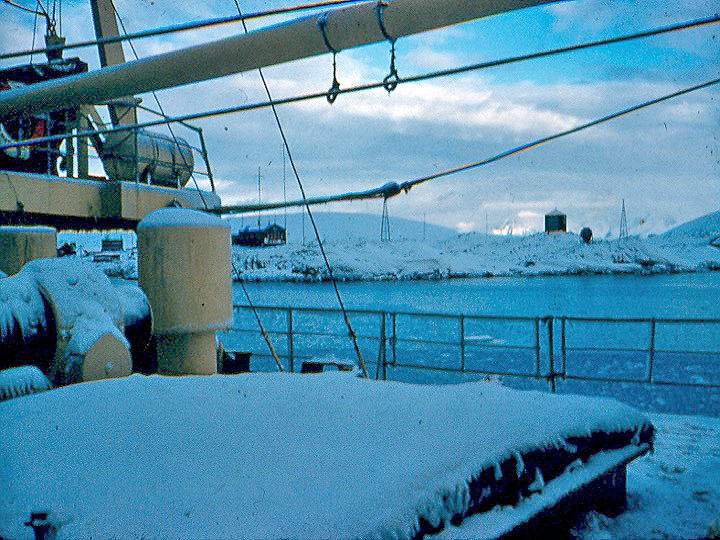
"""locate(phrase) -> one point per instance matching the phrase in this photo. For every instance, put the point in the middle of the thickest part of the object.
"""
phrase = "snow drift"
(280, 455)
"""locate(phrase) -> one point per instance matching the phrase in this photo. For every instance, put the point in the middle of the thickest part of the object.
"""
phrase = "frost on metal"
(20, 381)
(181, 217)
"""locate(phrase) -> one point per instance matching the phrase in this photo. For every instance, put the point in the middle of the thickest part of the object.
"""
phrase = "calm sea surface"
(669, 296)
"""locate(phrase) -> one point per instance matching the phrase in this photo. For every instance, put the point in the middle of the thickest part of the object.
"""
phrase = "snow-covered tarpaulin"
(274, 455)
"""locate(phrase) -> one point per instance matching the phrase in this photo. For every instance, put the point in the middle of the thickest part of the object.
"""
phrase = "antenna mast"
(259, 200)
(623, 224)
(385, 225)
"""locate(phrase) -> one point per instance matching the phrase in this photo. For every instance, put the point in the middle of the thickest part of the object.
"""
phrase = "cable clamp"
(334, 90)
(391, 81)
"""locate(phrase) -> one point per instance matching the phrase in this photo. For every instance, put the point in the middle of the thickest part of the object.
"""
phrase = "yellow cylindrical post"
(184, 269)
(21, 244)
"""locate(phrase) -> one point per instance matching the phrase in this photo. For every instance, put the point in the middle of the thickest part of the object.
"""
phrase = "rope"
(391, 81)
(332, 94)
(351, 332)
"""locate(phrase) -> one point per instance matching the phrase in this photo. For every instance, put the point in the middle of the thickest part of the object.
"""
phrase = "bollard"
(21, 244)
(184, 269)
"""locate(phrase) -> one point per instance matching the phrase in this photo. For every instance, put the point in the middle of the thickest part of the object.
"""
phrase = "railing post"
(563, 346)
(393, 339)
(551, 356)
(537, 347)
(651, 350)
(462, 343)
(207, 161)
(382, 352)
(291, 352)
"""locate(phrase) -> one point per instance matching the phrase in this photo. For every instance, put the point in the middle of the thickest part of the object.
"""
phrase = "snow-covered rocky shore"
(479, 255)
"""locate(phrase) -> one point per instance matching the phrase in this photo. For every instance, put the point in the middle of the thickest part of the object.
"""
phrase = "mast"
(111, 54)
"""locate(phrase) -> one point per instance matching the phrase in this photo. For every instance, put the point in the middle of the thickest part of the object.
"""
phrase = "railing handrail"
(454, 315)
(364, 311)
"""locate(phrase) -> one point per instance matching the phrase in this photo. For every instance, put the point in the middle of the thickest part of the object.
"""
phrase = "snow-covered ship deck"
(298, 456)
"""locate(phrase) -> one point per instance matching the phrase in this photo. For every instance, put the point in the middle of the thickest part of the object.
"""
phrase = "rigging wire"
(29, 10)
(286, 146)
(413, 78)
(406, 186)
(202, 198)
(186, 26)
(358, 88)
(391, 189)
(35, 28)
(157, 100)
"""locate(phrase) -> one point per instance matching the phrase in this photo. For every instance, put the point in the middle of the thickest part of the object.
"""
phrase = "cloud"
(465, 226)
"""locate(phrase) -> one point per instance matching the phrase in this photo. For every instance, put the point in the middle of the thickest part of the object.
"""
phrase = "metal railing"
(438, 333)
(438, 348)
(700, 332)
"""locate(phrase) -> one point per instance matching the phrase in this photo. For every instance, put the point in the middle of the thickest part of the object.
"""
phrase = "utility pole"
(284, 191)
(259, 201)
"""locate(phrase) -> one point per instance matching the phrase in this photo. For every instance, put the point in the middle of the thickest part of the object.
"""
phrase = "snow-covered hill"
(707, 226)
(340, 226)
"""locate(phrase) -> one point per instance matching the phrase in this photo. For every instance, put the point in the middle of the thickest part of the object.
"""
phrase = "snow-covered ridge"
(690, 247)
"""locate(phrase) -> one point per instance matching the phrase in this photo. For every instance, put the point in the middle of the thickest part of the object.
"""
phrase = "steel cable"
(351, 332)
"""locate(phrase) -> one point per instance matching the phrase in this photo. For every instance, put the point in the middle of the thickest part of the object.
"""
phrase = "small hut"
(555, 222)
(272, 235)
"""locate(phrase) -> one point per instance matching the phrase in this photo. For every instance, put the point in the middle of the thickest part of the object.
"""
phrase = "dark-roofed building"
(272, 235)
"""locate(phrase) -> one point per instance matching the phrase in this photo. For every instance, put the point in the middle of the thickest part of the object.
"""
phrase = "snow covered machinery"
(66, 319)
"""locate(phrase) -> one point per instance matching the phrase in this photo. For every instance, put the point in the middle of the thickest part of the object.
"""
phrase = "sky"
(662, 161)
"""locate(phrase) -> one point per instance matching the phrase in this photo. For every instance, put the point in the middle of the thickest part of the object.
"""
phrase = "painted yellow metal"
(111, 54)
(19, 245)
(41, 195)
(187, 354)
(108, 357)
(345, 27)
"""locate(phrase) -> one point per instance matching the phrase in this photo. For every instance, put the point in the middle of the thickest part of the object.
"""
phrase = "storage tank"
(555, 222)
(160, 161)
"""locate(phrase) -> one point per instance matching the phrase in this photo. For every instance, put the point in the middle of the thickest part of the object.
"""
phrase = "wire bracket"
(391, 81)
(334, 90)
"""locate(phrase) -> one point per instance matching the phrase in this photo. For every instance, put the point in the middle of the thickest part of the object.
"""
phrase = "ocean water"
(663, 295)
(599, 358)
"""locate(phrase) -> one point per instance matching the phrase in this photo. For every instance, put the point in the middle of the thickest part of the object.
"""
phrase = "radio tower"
(623, 224)
(385, 225)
